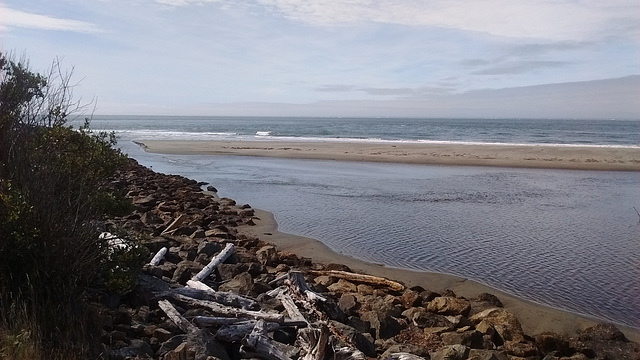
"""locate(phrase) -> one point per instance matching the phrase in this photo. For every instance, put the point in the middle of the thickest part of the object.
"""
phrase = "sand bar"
(534, 156)
(535, 318)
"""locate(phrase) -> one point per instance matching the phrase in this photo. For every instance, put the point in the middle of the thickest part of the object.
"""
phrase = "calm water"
(569, 239)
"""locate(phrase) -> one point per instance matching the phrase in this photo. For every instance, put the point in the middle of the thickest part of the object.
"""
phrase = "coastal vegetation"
(54, 186)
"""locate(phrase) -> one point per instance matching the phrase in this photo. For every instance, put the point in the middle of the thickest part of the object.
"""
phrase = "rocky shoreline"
(260, 302)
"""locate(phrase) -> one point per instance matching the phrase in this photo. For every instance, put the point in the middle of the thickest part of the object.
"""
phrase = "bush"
(54, 184)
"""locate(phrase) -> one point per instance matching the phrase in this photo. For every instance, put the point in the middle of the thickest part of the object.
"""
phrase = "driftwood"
(217, 321)
(259, 345)
(347, 353)
(314, 342)
(158, 257)
(175, 224)
(215, 261)
(237, 332)
(223, 310)
(175, 316)
(298, 285)
(404, 356)
(290, 306)
(360, 278)
(201, 291)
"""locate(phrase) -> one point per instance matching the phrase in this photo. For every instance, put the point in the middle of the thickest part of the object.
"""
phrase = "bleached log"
(313, 341)
(258, 344)
(215, 261)
(158, 257)
(237, 332)
(175, 224)
(201, 291)
(290, 306)
(347, 353)
(175, 316)
(223, 310)
(299, 285)
(367, 279)
(217, 321)
(404, 356)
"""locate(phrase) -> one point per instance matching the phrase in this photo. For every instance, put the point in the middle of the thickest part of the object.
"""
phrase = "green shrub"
(54, 184)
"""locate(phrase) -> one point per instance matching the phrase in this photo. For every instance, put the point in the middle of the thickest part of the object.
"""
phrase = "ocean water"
(565, 238)
(508, 131)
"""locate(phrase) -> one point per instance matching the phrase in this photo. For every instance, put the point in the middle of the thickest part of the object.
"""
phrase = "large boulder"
(448, 305)
(506, 325)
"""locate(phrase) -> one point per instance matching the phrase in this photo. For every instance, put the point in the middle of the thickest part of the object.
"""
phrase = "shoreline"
(524, 156)
(535, 318)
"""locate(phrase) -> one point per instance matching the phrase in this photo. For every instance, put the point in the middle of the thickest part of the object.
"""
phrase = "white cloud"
(541, 19)
(183, 2)
(16, 18)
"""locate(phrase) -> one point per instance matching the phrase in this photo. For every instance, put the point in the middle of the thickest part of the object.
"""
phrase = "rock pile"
(261, 303)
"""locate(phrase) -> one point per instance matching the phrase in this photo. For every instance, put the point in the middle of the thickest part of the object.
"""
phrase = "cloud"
(334, 88)
(183, 2)
(16, 18)
(519, 67)
(557, 20)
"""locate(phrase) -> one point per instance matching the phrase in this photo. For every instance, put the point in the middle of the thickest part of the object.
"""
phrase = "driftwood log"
(201, 291)
(224, 310)
(175, 224)
(158, 257)
(361, 278)
(175, 316)
(257, 344)
(215, 261)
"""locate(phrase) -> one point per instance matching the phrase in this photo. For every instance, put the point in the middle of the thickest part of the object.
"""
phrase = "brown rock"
(410, 299)
(482, 354)
(505, 323)
(347, 302)
(446, 305)
(343, 286)
(240, 284)
(520, 349)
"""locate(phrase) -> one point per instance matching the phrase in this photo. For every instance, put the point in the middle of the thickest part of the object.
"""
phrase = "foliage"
(54, 185)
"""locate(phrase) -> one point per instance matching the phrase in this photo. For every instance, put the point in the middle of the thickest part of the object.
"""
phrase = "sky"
(417, 58)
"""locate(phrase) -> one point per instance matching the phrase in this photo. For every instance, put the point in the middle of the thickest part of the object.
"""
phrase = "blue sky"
(485, 58)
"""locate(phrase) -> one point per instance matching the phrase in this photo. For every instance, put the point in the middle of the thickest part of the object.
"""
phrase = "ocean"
(569, 239)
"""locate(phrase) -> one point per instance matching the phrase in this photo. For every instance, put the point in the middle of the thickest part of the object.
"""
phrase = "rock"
(424, 319)
(470, 338)
(601, 332)
(384, 326)
(202, 343)
(520, 349)
(240, 284)
(324, 280)
(482, 354)
(181, 352)
(185, 271)
(212, 189)
(198, 234)
(162, 334)
(451, 352)
(365, 289)
(506, 324)
(361, 342)
(266, 255)
(347, 302)
(549, 342)
(447, 305)
(209, 248)
(410, 299)
(136, 348)
(343, 286)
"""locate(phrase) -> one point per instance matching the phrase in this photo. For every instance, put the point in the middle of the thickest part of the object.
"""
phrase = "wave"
(148, 134)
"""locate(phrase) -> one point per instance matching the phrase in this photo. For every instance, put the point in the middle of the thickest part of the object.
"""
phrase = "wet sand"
(531, 156)
(534, 318)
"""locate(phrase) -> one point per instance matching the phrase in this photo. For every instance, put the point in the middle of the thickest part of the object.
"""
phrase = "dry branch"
(175, 316)
(158, 257)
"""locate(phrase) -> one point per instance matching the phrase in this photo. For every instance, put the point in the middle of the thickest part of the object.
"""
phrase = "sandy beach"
(534, 156)
(535, 318)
